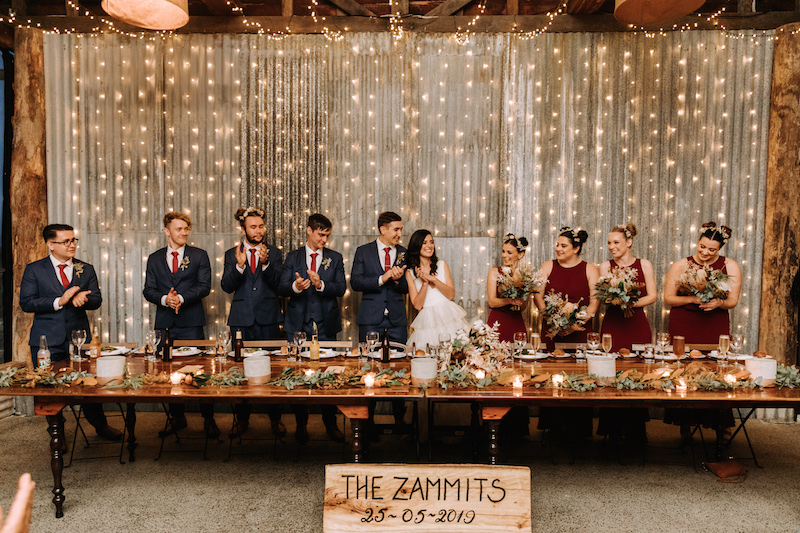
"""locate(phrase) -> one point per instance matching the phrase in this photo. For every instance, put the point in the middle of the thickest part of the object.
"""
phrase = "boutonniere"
(400, 258)
(326, 262)
(184, 263)
(77, 268)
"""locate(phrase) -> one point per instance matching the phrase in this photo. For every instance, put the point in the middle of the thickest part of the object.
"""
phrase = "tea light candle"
(517, 383)
(729, 379)
(558, 379)
(480, 374)
(681, 386)
(175, 378)
(369, 380)
(309, 373)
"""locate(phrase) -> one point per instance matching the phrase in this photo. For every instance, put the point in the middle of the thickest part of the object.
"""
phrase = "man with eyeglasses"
(58, 290)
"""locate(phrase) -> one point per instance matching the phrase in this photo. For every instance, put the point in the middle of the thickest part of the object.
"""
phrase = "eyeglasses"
(68, 242)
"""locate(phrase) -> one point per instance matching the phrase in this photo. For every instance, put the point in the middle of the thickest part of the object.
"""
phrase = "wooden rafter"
(223, 7)
(447, 8)
(584, 7)
(351, 7)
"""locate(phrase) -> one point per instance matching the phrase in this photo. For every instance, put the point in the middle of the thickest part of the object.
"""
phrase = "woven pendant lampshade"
(149, 14)
(650, 12)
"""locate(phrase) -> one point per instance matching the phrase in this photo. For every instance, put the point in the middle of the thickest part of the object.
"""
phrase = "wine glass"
(520, 338)
(724, 346)
(607, 342)
(78, 338)
(299, 339)
(362, 352)
(372, 341)
(593, 340)
(223, 338)
(737, 342)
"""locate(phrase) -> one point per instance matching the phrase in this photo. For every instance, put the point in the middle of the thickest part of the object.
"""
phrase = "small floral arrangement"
(563, 317)
(481, 347)
(520, 282)
(705, 283)
(620, 288)
(184, 263)
(77, 268)
(325, 263)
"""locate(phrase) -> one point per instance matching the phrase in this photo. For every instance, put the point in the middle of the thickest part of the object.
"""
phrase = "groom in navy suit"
(58, 290)
(313, 280)
(252, 273)
(178, 278)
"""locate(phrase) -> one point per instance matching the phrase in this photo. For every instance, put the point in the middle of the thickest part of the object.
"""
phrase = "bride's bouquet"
(620, 288)
(561, 316)
(703, 282)
(520, 282)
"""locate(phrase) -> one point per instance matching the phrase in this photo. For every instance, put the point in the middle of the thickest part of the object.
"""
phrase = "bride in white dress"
(431, 289)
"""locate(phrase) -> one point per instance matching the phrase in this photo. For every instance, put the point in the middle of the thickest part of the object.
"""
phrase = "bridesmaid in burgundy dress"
(635, 330)
(573, 278)
(507, 312)
(628, 422)
(703, 323)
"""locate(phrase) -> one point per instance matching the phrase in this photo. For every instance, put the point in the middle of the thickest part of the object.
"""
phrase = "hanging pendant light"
(650, 12)
(149, 14)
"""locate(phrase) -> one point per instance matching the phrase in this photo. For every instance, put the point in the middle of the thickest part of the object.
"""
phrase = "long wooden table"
(495, 401)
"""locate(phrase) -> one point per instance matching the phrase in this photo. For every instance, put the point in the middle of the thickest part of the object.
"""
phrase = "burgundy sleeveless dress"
(572, 284)
(510, 321)
(628, 331)
(698, 326)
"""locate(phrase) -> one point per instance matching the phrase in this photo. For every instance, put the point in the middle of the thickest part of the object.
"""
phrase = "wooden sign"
(425, 497)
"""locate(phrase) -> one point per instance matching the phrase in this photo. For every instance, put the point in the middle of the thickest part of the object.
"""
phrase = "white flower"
(506, 271)
(582, 315)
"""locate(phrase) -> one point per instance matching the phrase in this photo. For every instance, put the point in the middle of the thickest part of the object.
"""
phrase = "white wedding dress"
(438, 315)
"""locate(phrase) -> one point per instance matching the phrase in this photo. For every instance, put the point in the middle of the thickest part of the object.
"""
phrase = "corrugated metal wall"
(471, 141)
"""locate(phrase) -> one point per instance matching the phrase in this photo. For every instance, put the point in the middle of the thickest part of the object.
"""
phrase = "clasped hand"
(303, 283)
(395, 273)
(173, 300)
(425, 277)
(711, 304)
(75, 296)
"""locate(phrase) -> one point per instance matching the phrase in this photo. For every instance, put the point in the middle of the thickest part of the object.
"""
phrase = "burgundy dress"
(628, 331)
(698, 326)
(572, 284)
(510, 321)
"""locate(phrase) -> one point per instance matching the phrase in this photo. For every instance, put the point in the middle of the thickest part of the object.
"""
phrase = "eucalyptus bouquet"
(561, 316)
(620, 288)
(520, 282)
(704, 282)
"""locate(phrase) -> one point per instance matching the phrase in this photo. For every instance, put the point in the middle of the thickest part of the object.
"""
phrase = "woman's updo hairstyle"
(576, 237)
(520, 243)
(629, 230)
(720, 234)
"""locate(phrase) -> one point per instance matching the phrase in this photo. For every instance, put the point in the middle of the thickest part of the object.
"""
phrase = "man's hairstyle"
(318, 221)
(387, 217)
(241, 214)
(172, 215)
(49, 231)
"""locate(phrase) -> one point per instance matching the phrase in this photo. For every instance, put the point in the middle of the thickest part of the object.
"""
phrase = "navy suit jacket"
(364, 278)
(40, 286)
(192, 281)
(255, 296)
(335, 285)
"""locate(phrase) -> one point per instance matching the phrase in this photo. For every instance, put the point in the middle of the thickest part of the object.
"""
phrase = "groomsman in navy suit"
(252, 273)
(313, 280)
(178, 278)
(379, 274)
(58, 290)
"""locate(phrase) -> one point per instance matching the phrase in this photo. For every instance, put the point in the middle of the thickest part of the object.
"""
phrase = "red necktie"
(64, 280)
(387, 261)
(253, 260)
(314, 262)
(174, 262)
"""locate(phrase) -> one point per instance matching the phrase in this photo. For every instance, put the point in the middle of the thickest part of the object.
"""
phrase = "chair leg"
(742, 422)
(124, 433)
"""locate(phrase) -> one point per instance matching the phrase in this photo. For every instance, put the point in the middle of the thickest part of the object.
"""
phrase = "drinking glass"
(299, 339)
(372, 342)
(649, 353)
(593, 340)
(78, 338)
(724, 346)
(519, 339)
(663, 340)
(362, 352)
(737, 342)
(150, 346)
(580, 353)
(607, 342)
(536, 342)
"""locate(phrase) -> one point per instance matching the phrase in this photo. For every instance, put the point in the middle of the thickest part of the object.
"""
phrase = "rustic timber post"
(778, 319)
(28, 187)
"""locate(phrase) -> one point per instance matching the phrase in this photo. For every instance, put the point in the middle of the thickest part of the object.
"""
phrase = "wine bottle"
(238, 347)
(94, 345)
(385, 346)
(43, 355)
(166, 347)
(313, 349)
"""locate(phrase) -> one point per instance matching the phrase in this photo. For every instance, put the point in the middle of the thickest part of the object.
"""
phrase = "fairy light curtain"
(470, 141)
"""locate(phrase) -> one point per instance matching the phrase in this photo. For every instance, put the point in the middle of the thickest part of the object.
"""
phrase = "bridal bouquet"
(518, 283)
(705, 283)
(481, 347)
(561, 316)
(620, 288)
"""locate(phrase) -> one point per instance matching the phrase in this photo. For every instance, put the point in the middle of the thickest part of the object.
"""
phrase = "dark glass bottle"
(238, 347)
(166, 347)
(385, 346)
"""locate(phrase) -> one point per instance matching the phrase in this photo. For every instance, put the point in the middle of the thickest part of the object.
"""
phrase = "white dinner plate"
(670, 357)
(393, 354)
(113, 350)
(629, 356)
(324, 353)
(185, 351)
(532, 356)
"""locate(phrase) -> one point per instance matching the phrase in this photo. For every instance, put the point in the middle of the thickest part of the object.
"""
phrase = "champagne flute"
(372, 341)
(536, 342)
(737, 341)
(78, 338)
(724, 346)
(607, 342)
(299, 339)
(662, 340)
(593, 340)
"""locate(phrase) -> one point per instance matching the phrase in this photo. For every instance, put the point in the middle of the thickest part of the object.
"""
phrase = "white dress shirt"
(67, 272)
(382, 257)
(309, 251)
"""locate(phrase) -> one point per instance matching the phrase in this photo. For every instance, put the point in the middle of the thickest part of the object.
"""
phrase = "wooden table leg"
(130, 424)
(492, 417)
(358, 415)
(55, 427)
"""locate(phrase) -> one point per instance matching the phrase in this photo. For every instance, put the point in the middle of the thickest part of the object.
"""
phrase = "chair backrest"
(198, 343)
(336, 344)
(702, 347)
(568, 345)
(123, 344)
(265, 344)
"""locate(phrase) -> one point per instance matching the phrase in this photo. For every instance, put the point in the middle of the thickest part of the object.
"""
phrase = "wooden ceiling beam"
(351, 7)
(446, 8)
(20, 8)
(584, 7)
(224, 8)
